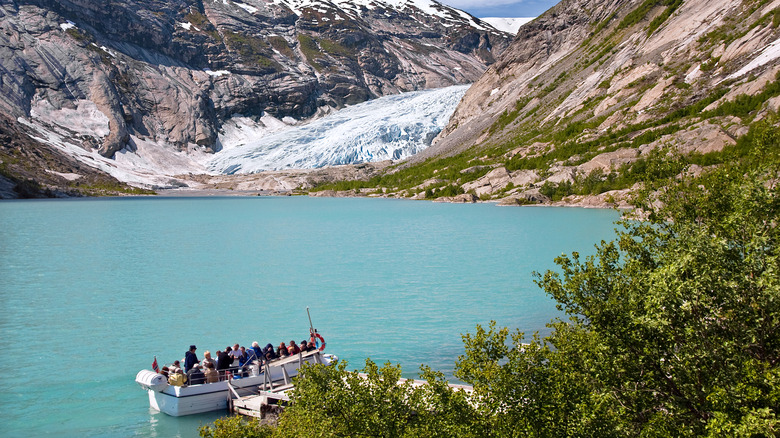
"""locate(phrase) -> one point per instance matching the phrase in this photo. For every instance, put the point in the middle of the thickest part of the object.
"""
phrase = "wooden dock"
(261, 404)
(272, 401)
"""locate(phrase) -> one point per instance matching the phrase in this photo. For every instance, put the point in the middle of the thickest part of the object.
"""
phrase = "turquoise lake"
(93, 289)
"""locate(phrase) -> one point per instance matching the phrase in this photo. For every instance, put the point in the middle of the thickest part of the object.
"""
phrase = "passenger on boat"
(212, 375)
(251, 356)
(190, 359)
(258, 351)
(305, 346)
(269, 352)
(207, 359)
(195, 376)
(224, 360)
(242, 361)
(235, 353)
(175, 367)
(293, 348)
(282, 351)
(177, 378)
(165, 371)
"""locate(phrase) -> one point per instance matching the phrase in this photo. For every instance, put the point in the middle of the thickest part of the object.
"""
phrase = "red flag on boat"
(155, 367)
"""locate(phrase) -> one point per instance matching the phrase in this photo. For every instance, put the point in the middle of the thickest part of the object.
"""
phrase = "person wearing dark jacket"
(223, 360)
(269, 352)
(195, 376)
(190, 359)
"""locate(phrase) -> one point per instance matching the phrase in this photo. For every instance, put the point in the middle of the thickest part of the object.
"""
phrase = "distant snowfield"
(388, 128)
(507, 24)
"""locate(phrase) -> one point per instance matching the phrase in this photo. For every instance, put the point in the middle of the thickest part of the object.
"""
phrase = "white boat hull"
(208, 397)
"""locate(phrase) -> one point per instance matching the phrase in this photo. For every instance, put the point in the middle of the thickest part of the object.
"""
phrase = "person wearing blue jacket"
(190, 358)
(258, 352)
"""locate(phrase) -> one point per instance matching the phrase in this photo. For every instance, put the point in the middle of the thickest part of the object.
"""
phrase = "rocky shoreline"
(303, 182)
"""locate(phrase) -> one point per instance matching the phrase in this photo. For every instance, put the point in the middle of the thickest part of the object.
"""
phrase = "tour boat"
(195, 399)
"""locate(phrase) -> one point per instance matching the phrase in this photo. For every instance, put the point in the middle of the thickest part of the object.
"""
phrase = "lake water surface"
(93, 289)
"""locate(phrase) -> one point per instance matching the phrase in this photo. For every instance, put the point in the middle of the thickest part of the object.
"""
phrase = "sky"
(502, 8)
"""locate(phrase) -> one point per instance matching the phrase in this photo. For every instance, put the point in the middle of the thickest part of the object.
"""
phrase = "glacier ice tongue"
(390, 127)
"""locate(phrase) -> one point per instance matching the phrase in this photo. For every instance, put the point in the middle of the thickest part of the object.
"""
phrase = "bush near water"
(672, 330)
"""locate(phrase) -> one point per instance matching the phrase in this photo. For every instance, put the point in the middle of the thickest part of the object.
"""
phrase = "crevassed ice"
(391, 127)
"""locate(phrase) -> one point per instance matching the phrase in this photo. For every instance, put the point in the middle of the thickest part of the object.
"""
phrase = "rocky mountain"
(29, 168)
(110, 75)
(595, 97)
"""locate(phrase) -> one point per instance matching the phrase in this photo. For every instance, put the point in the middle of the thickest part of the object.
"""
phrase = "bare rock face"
(584, 51)
(173, 72)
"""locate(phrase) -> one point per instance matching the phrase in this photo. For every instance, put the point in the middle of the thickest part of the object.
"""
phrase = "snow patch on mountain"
(142, 164)
(388, 128)
(507, 24)
(85, 119)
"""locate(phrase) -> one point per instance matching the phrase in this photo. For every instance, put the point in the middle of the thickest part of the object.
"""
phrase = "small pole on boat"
(311, 326)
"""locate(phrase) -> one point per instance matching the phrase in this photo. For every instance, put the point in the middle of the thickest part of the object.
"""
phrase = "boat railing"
(254, 367)
(295, 362)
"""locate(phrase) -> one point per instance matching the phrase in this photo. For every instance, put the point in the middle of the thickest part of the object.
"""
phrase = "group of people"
(235, 359)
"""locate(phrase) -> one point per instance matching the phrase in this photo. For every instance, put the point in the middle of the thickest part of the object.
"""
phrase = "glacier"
(388, 128)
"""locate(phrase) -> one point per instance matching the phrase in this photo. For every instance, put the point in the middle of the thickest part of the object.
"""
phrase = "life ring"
(316, 338)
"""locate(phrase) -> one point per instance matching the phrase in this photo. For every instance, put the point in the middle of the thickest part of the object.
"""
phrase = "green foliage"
(638, 14)
(330, 401)
(197, 19)
(310, 50)
(341, 186)
(641, 12)
(556, 191)
(200, 21)
(280, 44)
(112, 188)
(508, 117)
(251, 49)
(744, 105)
(443, 191)
(710, 64)
(672, 6)
(335, 48)
(236, 427)
(80, 36)
(685, 307)
(554, 84)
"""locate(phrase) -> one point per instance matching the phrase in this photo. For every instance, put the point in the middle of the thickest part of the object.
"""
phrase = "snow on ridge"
(431, 7)
(67, 25)
(217, 73)
(248, 8)
(388, 128)
(768, 53)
